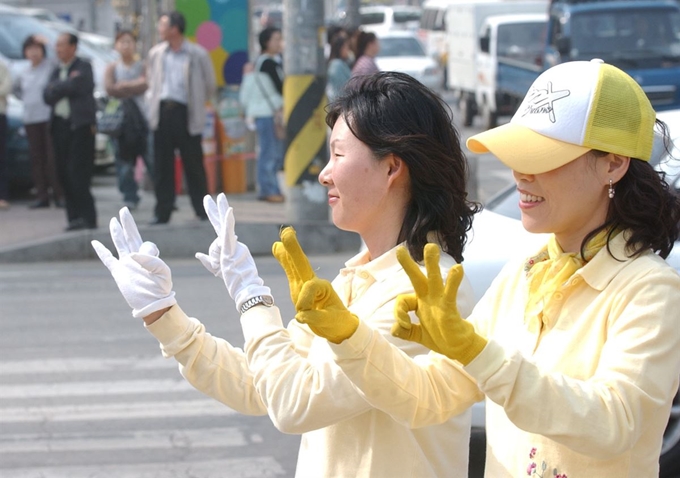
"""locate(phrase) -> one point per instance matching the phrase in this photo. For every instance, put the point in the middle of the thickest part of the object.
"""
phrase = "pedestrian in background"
(125, 79)
(368, 47)
(70, 93)
(333, 32)
(29, 88)
(261, 96)
(181, 80)
(339, 71)
(5, 89)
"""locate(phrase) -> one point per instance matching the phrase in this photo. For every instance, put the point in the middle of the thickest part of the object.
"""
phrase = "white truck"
(464, 22)
(516, 40)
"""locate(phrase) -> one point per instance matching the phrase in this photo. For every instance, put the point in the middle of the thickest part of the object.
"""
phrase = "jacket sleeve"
(209, 364)
(208, 75)
(637, 373)
(79, 82)
(302, 394)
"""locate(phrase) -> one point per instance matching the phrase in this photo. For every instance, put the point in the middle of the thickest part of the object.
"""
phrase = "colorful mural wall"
(221, 27)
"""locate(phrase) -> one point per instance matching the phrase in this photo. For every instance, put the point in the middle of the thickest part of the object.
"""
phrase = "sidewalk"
(38, 235)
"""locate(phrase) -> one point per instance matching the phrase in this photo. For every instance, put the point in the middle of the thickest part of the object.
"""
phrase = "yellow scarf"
(548, 271)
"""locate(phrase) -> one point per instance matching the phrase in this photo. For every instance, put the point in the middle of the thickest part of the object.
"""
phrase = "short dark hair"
(122, 33)
(72, 38)
(30, 41)
(393, 113)
(176, 19)
(266, 35)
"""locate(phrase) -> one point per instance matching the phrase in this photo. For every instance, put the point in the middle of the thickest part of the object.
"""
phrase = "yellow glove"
(322, 310)
(314, 299)
(294, 262)
(441, 327)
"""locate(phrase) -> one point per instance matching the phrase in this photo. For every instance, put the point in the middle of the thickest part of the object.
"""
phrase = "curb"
(183, 241)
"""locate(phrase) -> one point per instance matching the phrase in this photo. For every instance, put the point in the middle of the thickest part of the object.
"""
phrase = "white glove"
(228, 257)
(142, 277)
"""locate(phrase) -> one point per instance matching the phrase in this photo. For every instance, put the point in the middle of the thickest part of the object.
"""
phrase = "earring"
(611, 191)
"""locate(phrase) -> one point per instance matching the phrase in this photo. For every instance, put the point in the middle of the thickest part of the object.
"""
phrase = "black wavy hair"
(644, 205)
(393, 113)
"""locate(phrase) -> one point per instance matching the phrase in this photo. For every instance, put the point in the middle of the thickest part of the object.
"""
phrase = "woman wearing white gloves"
(396, 176)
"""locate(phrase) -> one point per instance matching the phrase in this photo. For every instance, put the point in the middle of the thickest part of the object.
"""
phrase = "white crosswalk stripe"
(261, 467)
(132, 417)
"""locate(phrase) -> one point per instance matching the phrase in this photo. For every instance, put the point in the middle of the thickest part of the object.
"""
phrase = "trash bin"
(231, 146)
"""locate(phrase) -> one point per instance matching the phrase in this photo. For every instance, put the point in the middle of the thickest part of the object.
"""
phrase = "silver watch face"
(267, 300)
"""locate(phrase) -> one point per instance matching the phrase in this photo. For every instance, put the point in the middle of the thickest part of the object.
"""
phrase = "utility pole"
(147, 30)
(352, 16)
(304, 99)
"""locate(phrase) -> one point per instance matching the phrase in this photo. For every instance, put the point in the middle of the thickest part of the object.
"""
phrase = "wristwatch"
(266, 300)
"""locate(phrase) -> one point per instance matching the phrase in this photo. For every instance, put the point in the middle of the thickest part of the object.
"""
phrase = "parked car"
(402, 51)
(484, 260)
(380, 19)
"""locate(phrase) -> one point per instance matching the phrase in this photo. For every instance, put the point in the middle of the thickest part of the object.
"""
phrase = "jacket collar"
(602, 268)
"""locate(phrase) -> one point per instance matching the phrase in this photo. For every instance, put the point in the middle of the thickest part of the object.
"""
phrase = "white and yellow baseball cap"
(570, 109)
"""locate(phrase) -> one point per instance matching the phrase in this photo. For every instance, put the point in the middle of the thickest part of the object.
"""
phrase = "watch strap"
(266, 300)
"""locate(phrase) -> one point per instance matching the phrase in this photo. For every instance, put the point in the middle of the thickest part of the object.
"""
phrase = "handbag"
(110, 121)
(279, 123)
(132, 141)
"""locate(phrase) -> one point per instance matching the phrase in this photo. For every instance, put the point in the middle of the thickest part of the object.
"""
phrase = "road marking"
(115, 411)
(123, 440)
(82, 389)
(248, 467)
(25, 367)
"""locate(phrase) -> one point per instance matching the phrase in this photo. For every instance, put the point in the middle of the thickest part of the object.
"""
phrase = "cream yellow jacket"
(289, 374)
(585, 394)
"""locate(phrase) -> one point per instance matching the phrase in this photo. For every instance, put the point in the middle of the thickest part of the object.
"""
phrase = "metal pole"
(352, 16)
(304, 99)
(148, 28)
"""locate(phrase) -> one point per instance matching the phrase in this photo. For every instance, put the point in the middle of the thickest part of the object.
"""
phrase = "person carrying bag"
(261, 97)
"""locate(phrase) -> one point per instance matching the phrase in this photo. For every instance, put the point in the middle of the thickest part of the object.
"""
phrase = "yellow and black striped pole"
(304, 100)
(304, 103)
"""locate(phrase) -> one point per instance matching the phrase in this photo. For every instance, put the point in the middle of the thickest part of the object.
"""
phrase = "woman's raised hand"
(142, 277)
(228, 258)
(294, 262)
(315, 301)
(441, 327)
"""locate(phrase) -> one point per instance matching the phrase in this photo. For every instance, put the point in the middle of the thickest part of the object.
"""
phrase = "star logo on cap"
(540, 101)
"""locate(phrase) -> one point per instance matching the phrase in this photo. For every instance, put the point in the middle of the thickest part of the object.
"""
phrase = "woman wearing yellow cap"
(396, 175)
(577, 347)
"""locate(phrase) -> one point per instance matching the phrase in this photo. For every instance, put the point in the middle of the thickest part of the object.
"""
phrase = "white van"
(382, 19)
(432, 31)
(517, 39)
(463, 23)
